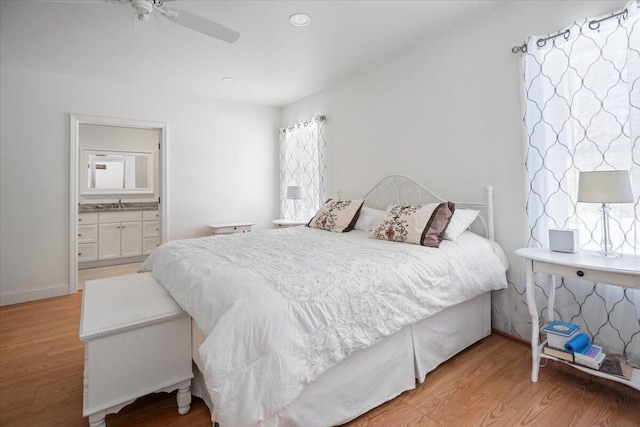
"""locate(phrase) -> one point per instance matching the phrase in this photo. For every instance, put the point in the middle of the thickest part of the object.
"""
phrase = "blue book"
(561, 328)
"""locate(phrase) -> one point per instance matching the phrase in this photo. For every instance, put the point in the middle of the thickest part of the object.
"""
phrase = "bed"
(304, 327)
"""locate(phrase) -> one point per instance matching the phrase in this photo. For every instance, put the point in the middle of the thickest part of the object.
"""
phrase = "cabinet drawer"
(109, 217)
(88, 218)
(231, 229)
(87, 252)
(607, 277)
(150, 229)
(88, 233)
(149, 245)
(150, 215)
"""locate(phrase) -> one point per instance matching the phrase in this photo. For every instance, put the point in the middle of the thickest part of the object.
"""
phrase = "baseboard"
(513, 337)
(33, 294)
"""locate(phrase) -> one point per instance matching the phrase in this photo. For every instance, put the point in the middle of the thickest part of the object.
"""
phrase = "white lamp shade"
(294, 192)
(605, 187)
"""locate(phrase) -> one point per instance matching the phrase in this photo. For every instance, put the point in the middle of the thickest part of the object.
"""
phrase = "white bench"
(137, 342)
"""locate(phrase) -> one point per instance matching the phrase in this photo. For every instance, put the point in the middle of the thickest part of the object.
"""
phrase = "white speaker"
(564, 240)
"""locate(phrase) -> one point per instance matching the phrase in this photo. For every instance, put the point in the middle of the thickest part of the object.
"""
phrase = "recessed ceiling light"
(229, 80)
(300, 19)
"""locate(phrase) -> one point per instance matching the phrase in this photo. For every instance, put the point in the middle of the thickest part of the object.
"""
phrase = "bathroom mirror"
(116, 172)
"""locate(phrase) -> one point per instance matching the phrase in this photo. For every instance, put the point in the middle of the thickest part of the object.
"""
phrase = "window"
(302, 164)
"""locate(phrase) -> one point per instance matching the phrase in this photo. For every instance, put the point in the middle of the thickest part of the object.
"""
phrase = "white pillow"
(460, 221)
(369, 218)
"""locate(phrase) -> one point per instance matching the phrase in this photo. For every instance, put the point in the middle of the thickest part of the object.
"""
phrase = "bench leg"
(184, 399)
(98, 419)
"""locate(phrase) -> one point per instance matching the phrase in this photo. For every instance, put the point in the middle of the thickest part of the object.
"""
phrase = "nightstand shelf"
(623, 271)
(634, 382)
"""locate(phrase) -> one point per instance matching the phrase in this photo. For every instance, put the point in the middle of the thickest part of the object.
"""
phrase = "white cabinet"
(87, 233)
(120, 239)
(150, 215)
(150, 234)
(131, 238)
(87, 237)
(87, 218)
(117, 234)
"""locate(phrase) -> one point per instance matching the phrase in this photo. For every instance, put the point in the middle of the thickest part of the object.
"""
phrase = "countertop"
(116, 207)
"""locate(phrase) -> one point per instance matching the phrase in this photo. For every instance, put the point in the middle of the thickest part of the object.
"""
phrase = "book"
(591, 363)
(558, 333)
(561, 328)
(617, 368)
(560, 354)
(591, 356)
(611, 366)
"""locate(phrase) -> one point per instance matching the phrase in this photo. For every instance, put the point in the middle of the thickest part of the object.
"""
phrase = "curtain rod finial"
(519, 49)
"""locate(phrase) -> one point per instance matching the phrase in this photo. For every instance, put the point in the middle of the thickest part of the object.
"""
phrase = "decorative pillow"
(420, 225)
(369, 218)
(460, 221)
(338, 216)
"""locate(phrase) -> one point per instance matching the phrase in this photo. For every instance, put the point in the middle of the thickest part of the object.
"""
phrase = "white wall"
(222, 166)
(448, 114)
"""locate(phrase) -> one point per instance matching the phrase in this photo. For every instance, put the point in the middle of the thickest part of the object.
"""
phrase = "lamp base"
(607, 254)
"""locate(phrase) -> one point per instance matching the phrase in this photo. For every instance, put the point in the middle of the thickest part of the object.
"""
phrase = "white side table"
(284, 223)
(230, 228)
(623, 271)
(137, 341)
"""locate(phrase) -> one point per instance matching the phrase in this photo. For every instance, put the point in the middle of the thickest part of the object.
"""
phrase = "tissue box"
(564, 240)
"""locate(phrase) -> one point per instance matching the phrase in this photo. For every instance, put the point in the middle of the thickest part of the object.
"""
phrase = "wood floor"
(41, 364)
(110, 271)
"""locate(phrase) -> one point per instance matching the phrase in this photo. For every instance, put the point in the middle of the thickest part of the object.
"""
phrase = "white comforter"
(280, 307)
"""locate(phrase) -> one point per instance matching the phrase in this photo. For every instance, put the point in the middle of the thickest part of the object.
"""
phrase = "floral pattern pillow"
(420, 225)
(339, 216)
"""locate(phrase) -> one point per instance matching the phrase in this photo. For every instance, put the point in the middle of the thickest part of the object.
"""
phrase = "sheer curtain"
(582, 113)
(302, 163)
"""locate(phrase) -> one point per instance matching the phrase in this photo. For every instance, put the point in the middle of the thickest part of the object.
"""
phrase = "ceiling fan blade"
(202, 25)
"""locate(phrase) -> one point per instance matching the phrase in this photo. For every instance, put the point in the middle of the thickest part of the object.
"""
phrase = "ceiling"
(274, 62)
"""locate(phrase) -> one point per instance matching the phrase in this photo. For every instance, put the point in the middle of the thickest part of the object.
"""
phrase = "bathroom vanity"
(112, 231)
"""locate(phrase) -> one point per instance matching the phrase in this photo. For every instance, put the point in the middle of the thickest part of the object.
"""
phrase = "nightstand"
(230, 228)
(284, 223)
(623, 271)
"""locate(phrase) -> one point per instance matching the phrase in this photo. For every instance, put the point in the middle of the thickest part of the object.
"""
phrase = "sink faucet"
(120, 204)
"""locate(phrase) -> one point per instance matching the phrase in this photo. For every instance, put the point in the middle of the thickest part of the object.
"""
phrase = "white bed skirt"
(379, 373)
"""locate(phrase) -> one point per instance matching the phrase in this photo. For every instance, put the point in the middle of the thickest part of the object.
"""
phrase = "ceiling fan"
(144, 9)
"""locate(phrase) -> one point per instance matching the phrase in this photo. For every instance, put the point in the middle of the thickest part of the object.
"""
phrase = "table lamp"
(605, 187)
(295, 193)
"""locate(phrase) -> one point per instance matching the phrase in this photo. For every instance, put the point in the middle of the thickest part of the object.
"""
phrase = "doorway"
(134, 150)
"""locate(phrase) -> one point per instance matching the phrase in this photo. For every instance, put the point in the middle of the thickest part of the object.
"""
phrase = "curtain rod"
(319, 118)
(593, 25)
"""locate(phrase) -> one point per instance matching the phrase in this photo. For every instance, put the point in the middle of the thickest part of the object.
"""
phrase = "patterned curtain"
(582, 113)
(302, 164)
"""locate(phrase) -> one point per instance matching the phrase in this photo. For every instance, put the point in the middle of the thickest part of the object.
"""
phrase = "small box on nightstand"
(564, 240)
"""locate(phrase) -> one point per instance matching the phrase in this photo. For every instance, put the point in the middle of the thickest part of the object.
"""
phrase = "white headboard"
(402, 190)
